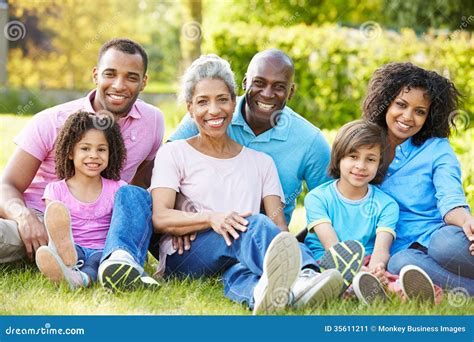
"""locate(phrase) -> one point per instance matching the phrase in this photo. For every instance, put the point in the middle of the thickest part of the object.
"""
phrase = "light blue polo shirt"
(351, 219)
(298, 148)
(426, 183)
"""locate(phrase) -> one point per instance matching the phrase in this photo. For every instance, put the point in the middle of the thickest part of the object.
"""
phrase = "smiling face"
(119, 78)
(212, 107)
(91, 154)
(358, 168)
(269, 84)
(407, 114)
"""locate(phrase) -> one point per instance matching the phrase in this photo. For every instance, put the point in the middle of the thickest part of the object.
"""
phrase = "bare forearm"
(177, 222)
(379, 257)
(457, 216)
(11, 202)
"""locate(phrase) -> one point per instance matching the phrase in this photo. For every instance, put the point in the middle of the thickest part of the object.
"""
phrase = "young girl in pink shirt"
(89, 153)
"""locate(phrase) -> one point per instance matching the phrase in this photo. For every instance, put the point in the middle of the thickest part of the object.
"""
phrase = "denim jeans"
(91, 258)
(446, 260)
(130, 227)
(240, 264)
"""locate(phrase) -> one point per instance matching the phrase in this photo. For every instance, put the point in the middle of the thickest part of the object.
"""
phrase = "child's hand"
(378, 270)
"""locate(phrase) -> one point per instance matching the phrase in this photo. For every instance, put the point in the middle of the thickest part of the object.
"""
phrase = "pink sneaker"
(53, 268)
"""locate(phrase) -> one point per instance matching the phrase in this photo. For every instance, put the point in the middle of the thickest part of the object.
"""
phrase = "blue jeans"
(446, 260)
(91, 258)
(130, 227)
(240, 264)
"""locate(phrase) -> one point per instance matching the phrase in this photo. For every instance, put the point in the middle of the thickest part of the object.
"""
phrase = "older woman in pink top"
(211, 190)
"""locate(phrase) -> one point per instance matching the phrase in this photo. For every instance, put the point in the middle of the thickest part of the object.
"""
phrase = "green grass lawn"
(24, 291)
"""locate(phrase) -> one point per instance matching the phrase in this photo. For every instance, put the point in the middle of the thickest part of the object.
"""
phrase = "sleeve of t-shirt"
(37, 138)
(52, 192)
(447, 179)
(271, 181)
(187, 128)
(166, 171)
(160, 132)
(389, 218)
(317, 162)
(316, 210)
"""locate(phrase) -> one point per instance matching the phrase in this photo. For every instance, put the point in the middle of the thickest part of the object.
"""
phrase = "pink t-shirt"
(204, 183)
(142, 130)
(90, 222)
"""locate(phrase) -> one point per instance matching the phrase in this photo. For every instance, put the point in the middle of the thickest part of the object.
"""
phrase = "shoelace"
(307, 273)
(78, 265)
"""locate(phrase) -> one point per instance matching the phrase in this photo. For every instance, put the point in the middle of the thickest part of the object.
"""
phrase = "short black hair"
(127, 46)
(391, 79)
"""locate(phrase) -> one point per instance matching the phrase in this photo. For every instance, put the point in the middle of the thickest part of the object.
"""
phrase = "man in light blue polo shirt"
(263, 122)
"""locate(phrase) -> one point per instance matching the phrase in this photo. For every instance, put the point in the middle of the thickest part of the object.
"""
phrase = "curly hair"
(391, 79)
(73, 131)
(352, 136)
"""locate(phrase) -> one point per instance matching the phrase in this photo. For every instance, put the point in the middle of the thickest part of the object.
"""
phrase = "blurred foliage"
(63, 39)
(419, 14)
(333, 65)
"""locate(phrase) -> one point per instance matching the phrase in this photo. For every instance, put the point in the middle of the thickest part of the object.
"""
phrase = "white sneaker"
(416, 283)
(121, 272)
(58, 225)
(53, 268)
(281, 266)
(313, 288)
(368, 288)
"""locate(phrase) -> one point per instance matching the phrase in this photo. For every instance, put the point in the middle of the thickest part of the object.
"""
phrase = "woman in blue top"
(435, 230)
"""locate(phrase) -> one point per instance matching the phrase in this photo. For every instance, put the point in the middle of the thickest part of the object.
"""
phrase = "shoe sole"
(328, 286)
(49, 265)
(121, 277)
(281, 265)
(346, 257)
(58, 225)
(416, 284)
(368, 288)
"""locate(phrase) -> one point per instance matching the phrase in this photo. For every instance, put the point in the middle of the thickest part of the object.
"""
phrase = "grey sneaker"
(123, 273)
(281, 266)
(416, 284)
(346, 257)
(368, 288)
(314, 289)
(53, 268)
(58, 225)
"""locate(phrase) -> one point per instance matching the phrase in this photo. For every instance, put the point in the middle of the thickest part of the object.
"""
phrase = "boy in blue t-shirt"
(350, 208)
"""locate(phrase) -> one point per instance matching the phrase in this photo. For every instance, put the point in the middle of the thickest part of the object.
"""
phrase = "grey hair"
(206, 67)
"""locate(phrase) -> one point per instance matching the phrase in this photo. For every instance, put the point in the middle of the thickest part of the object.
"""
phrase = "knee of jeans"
(446, 240)
(258, 220)
(398, 260)
(127, 192)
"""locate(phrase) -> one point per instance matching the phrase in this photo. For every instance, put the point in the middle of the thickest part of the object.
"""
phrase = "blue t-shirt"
(426, 183)
(351, 219)
(298, 148)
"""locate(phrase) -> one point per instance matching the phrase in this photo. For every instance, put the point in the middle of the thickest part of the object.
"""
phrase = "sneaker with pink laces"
(53, 268)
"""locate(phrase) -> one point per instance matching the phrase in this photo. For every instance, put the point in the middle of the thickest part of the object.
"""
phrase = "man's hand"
(183, 243)
(32, 232)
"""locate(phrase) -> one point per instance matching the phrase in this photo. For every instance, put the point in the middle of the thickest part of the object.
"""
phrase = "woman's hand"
(468, 227)
(229, 224)
(183, 243)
